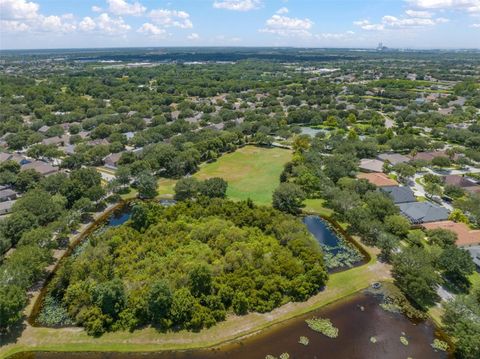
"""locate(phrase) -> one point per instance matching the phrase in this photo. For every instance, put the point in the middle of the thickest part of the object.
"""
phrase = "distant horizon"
(238, 47)
(401, 24)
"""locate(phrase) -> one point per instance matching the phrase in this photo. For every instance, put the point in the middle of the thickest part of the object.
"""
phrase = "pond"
(338, 252)
(359, 319)
(312, 132)
(119, 217)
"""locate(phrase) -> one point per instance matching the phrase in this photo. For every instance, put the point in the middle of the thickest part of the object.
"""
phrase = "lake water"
(312, 132)
(338, 252)
(356, 328)
(322, 232)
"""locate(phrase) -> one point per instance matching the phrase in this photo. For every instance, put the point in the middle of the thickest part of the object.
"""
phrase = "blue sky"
(310, 23)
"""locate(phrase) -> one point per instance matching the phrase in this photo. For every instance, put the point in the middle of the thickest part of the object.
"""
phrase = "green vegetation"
(304, 340)
(189, 265)
(439, 345)
(323, 326)
(251, 172)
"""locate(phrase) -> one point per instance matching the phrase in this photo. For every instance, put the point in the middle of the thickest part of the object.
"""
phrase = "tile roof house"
(378, 179)
(423, 212)
(4, 156)
(7, 194)
(57, 140)
(111, 161)
(21, 160)
(459, 181)
(393, 158)
(465, 236)
(399, 194)
(6, 207)
(428, 156)
(370, 165)
(41, 167)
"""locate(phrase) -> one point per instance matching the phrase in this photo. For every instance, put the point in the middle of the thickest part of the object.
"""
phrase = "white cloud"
(22, 15)
(171, 18)
(237, 5)
(111, 26)
(152, 30)
(419, 14)
(390, 22)
(122, 7)
(87, 24)
(18, 10)
(288, 26)
(282, 10)
(471, 6)
(96, 8)
(367, 25)
(335, 36)
(193, 36)
(104, 24)
(13, 26)
(475, 26)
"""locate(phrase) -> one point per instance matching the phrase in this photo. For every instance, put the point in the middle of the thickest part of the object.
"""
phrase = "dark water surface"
(119, 217)
(321, 231)
(356, 327)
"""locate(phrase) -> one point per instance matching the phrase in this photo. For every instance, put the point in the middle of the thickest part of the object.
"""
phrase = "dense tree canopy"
(189, 266)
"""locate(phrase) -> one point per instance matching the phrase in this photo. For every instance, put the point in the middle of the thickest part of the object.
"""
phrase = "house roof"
(112, 158)
(428, 156)
(466, 236)
(371, 165)
(400, 194)
(6, 206)
(378, 179)
(459, 181)
(7, 192)
(4, 156)
(41, 167)
(423, 212)
(393, 158)
(473, 189)
(475, 254)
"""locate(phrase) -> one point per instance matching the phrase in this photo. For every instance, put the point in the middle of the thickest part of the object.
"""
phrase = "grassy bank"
(339, 286)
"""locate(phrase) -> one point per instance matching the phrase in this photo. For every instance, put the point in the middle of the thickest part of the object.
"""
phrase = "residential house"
(111, 161)
(466, 237)
(399, 194)
(6, 207)
(57, 140)
(44, 168)
(428, 156)
(21, 160)
(98, 142)
(7, 194)
(370, 165)
(459, 181)
(378, 179)
(423, 212)
(393, 158)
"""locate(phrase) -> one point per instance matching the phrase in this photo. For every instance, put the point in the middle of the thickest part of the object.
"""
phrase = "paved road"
(419, 190)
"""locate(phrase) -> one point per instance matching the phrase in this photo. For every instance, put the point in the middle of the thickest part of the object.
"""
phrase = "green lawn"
(251, 172)
(317, 206)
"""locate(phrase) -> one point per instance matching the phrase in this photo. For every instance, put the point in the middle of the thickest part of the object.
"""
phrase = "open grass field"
(251, 172)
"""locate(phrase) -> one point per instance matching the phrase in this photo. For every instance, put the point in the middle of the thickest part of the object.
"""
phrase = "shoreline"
(340, 286)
